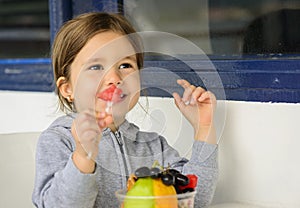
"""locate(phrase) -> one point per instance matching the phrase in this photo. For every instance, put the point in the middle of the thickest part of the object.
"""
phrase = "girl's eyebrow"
(99, 59)
(132, 58)
(92, 60)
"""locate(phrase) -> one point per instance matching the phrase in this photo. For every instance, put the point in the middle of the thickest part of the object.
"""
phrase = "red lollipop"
(112, 94)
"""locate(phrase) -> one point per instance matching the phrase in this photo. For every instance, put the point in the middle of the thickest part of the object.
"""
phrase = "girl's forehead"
(105, 45)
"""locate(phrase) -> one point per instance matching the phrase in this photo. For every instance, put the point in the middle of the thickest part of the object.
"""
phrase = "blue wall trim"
(26, 75)
(243, 80)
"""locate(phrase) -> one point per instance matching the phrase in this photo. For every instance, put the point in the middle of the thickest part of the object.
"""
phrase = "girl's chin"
(117, 116)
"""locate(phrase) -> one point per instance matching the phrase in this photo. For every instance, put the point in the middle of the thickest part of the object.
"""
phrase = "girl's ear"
(65, 88)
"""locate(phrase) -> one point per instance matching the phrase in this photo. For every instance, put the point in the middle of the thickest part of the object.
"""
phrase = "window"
(221, 28)
(254, 45)
(24, 29)
(24, 45)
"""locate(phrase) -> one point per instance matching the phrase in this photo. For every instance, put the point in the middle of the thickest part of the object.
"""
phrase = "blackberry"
(142, 172)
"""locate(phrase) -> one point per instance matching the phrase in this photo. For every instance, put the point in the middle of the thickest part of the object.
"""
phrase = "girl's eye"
(96, 67)
(125, 66)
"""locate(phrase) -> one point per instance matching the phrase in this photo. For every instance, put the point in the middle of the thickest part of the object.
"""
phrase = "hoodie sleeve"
(203, 163)
(58, 183)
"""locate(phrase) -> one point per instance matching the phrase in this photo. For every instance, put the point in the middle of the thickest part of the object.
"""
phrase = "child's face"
(105, 60)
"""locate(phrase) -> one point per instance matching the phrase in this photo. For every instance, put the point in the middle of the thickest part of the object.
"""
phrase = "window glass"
(224, 28)
(24, 29)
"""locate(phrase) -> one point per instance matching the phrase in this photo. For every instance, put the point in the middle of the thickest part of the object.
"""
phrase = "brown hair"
(73, 36)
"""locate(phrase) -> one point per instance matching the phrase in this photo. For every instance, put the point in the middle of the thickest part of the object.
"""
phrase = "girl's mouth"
(112, 94)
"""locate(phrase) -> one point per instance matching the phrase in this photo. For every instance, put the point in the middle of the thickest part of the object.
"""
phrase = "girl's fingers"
(105, 122)
(94, 114)
(183, 83)
(100, 115)
(193, 94)
(197, 93)
(102, 119)
(87, 130)
(178, 101)
(188, 90)
(90, 136)
(91, 121)
(207, 97)
(87, 121)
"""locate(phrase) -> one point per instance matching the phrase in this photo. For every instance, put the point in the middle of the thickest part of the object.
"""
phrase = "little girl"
(84, 157)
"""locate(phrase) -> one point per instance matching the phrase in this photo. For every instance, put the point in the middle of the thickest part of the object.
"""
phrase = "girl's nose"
(113, 77)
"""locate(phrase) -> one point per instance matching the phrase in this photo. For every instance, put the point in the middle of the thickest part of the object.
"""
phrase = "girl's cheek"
(85, 96)
(133, 81)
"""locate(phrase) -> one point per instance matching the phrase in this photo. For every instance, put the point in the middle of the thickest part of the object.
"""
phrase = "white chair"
(17, 167)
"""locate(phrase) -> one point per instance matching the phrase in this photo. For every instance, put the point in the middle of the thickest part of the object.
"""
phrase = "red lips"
(112, 94)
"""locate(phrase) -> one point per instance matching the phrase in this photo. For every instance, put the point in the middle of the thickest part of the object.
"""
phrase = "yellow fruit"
(160, 189)
(131, 181)
(147, 186)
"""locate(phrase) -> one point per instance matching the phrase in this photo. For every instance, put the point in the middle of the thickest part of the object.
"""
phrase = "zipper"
(120, 142)
(118, 137)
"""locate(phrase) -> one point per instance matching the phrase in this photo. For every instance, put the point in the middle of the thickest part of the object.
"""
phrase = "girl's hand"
(197, 105)
(86, 130)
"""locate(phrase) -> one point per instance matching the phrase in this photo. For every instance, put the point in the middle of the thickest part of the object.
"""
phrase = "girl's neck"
(113, 128)
(115, 125)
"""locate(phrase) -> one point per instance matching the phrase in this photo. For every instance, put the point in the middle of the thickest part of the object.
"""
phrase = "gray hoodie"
(58, 183)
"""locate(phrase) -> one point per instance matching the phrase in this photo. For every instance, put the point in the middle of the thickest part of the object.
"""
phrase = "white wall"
(259, 156)
(26, 111)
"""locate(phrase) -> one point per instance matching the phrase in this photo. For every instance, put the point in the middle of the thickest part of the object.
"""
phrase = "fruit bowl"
(184, 200)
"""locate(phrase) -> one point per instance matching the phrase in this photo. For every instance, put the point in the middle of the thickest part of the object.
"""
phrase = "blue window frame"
(271, 79)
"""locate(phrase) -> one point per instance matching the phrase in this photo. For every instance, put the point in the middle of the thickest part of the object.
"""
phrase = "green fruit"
(142, 187)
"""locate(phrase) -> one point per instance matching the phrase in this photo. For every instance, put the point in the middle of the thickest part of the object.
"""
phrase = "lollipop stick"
(108, 107)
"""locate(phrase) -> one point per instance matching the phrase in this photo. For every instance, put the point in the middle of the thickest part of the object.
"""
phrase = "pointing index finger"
(183, 83)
